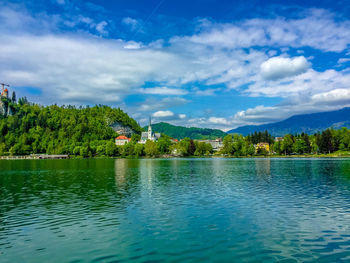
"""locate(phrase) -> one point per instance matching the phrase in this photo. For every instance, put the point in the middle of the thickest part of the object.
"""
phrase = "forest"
(179, 132)
(86, 132)
(83, 131)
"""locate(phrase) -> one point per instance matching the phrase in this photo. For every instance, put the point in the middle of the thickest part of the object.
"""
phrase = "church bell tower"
(149, 135)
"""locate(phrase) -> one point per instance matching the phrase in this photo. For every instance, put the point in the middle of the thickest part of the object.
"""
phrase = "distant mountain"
(307, 123)
(179, 132)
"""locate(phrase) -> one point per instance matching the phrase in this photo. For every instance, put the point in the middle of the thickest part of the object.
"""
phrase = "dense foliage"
(60, 130)
(327, 142)
(164, 146)
(179, 132)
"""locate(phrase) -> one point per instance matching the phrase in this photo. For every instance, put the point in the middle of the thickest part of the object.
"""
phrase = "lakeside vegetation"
(86, 132)
(330, 142)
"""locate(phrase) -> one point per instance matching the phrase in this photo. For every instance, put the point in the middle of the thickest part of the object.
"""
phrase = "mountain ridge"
(307, 123)
(180, 132)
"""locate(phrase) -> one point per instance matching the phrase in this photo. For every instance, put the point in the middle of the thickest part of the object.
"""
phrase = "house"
(215, 144)
(121, 140)
(149, 135)
(262, 145)
(278, 139)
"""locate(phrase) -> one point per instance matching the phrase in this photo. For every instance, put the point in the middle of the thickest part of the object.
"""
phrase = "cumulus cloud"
(218, 120)
(168, 116)
(281, 67)
(85, 68)
(162, 114)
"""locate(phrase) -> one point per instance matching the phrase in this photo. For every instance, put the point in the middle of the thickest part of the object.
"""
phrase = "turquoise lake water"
(176, 210)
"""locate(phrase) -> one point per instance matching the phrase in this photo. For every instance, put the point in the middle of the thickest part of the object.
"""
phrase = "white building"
(215, 144)
(122, 140)
(148, 135)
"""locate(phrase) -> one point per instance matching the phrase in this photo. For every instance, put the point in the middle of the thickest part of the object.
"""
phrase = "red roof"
(122, 137)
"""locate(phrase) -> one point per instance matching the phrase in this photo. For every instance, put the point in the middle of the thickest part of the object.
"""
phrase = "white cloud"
(182, 116)
(343, 60)
(152, 104)
(131, 22)
(318, 29)
(132, 45)
(281, 67)
(336, 96)
(86, 68)
(162, 114)
(206, 92)
(100, 27)
(163, 91)
(218, 120)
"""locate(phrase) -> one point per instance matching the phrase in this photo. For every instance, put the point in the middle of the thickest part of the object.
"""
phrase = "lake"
(175, 210)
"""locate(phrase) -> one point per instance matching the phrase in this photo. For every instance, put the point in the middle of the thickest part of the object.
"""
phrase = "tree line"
(325, 142)
(84, 131)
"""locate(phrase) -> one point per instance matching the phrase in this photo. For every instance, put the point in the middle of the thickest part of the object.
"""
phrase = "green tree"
(287, 144)
(164, 144)
(151, 148)
(139, 150)
(326, 142)
(300, 146)
(111, 149)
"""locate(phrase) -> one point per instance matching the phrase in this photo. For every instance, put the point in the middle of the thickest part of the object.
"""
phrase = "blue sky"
(217, 64)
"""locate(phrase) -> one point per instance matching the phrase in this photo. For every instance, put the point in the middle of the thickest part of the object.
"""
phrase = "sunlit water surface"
(176, 210)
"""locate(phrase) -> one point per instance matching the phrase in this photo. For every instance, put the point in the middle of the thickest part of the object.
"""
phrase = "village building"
(215, 144)
(278, 139)
(149, 135)
(4, 90)
(262, 145)
(121, 140)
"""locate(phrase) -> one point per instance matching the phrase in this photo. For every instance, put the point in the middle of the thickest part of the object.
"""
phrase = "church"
(148, 135)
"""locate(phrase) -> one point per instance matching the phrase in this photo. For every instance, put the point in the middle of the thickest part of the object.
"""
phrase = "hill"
(179, 132)
(307, 123)
(84, 131)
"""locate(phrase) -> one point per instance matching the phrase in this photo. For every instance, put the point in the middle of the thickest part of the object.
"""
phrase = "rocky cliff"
(122, 129)
(5, 110)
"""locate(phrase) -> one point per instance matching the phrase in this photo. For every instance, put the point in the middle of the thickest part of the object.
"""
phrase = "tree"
(277, 147)
(138, 150)
(164, 145)
(13, 97)
(300, 146)
(326, 142)
(191, 148)
(135, 137)
(151, 148)
(228, 144)
(111, 149)
(251, 150)
(287, 144)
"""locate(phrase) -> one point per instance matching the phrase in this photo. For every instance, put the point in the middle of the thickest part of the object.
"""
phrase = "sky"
(200, 63)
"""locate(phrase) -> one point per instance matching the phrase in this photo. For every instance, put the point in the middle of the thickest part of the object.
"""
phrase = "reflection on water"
(263, 168)
(106, 210)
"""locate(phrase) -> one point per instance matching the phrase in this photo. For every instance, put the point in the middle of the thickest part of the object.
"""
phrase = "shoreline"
(60, 157)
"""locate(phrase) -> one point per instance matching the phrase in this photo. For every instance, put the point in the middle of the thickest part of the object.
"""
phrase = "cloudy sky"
(205, 63)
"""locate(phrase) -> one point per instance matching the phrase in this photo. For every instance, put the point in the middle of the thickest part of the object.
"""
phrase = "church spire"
(149, 135)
